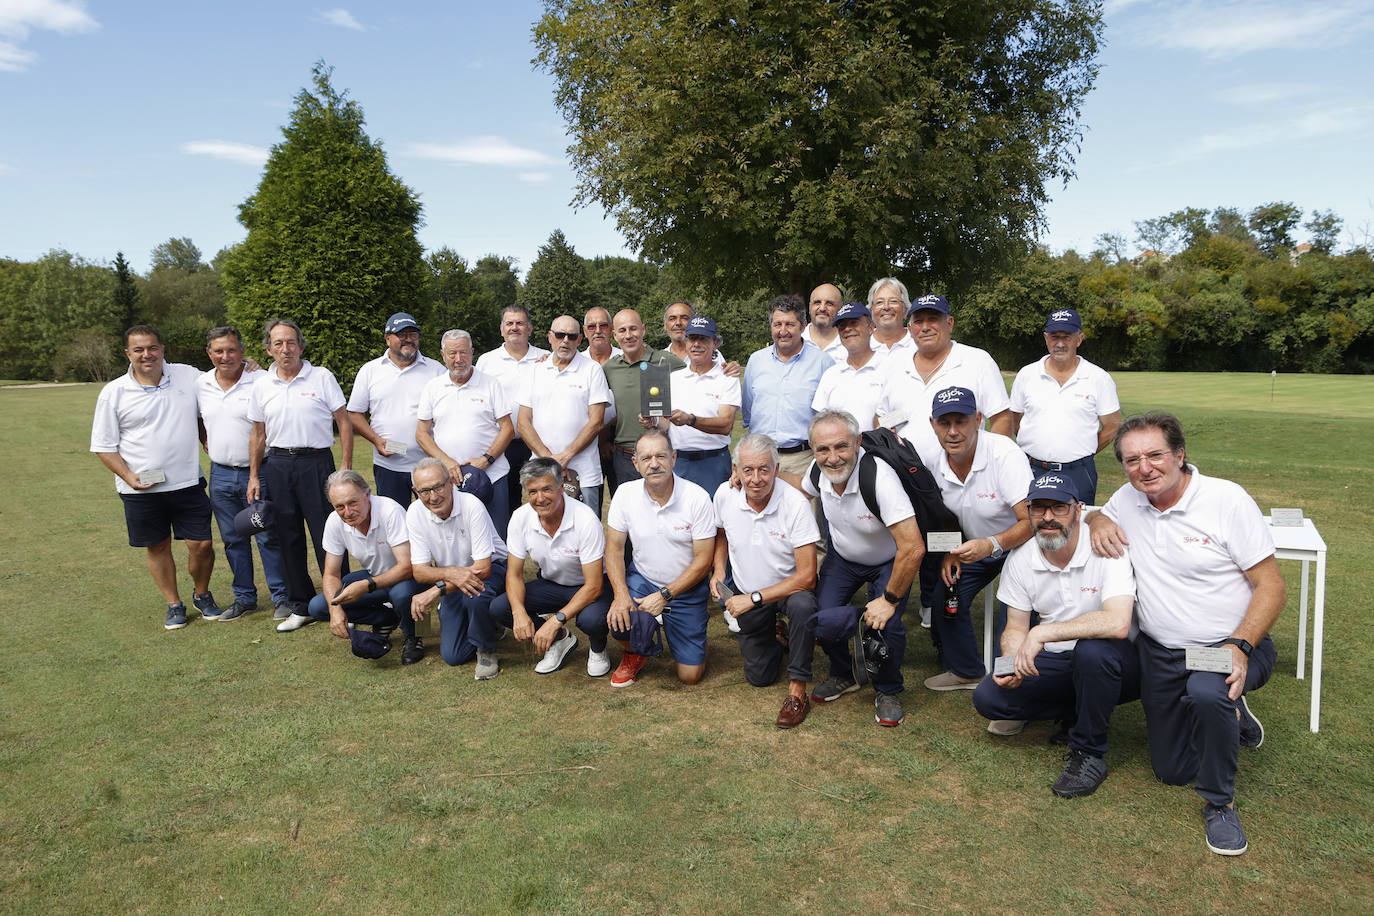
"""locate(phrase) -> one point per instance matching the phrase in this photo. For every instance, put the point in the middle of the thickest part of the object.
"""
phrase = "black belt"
(703, 454)
(296, 452)
(624, 450)
(1060, 465)
(793, 449)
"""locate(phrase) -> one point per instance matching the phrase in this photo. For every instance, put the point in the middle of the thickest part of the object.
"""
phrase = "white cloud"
(20, 17)
(1229, 29)
(228, 150)
(1277, 134)
(341, 18)
(534, 177)
(481, 151)
(1263, 93)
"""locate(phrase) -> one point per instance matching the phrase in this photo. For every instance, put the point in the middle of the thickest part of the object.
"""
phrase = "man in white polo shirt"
(222, 395)
(507, 364)
(385, 401)
(144, 431)
(561, 409)
(673, 528)
(768, 533)
(372, 530)
(458, 554)
(1064, 410)
(855, 383)
(464, 419)
(294, 408)
(888, 301)
(882, 550)
(1079, 662)
(704, 403)
(565, 540)
(826, 300)
(1206, 576)
(983, 479)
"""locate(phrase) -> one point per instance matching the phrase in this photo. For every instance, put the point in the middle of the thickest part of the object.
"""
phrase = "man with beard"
(826, 300)
(384, 404)
(1079, 662)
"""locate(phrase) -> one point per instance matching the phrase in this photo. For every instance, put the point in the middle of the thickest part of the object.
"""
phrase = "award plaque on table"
(654, 396)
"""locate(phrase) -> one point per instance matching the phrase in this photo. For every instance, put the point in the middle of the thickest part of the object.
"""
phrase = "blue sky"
(125, 124)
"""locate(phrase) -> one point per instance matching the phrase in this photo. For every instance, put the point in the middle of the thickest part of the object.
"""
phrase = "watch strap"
(1239, 643)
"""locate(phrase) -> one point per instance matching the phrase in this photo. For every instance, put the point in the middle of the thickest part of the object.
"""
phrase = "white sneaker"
(558, 650)
(294, 622)
(925, 617)
(731, 623)
(598, 664)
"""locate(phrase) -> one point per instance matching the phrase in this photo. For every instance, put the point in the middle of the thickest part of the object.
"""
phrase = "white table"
(1305, 544)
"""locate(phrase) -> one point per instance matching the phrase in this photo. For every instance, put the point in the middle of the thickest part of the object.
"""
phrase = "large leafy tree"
(784, 142)
(331, 235)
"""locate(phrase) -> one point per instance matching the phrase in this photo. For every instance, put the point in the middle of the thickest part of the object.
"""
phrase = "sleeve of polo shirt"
(1107, 399)
(617, 516)
(591, 542)
(599, 391)
(419, 549)
(360, 398)
(893, 503)
(892, 397)
(801, 522)
(822, 394)
(105, 424)
(256, 397)
(515, 535)
(1014, 586)
(1118, 577)
(747, 392)
(333, 540)
(992, 399)
(718, 502)
(703, 516)
(1013, 474)
(730, 392)
(333, 394)
(425, 409)
(1249, 539)
(1113, 506)
(500, 403)
(524, 392)
(480, 531)
(807, 486)
(1018, 391)
(394, 527)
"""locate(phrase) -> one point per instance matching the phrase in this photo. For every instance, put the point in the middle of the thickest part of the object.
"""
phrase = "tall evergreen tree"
(558, 283)
(127, 305)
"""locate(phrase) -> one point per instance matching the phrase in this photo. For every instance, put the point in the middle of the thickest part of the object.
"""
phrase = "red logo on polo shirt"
(685, 526)
(1087, 588)
(307, 394)
(865, 516)
(568, 551)
(986, 495)
(1191, 539)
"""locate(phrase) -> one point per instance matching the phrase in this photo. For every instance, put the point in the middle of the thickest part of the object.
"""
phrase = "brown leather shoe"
(793, 712)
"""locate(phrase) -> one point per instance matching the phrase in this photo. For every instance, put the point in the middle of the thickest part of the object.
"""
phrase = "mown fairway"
(226, 768)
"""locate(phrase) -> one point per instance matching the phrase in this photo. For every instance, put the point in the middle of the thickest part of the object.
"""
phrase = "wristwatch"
(891, 598)
(490, 460)
(442, 586)
(666, 593)
(1239, 643)
(560, 617)
(371, 584)
(756, 597)
(997, 550)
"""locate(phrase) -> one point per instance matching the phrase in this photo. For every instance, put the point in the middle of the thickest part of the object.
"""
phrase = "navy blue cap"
(255, 518)
(931, 302)
(701, 326)
(953, 400)
(644, 635)
(1057, 487)
(1064, 320)
(400, 322)
(476, 483)
(852, 310)
(367, 644)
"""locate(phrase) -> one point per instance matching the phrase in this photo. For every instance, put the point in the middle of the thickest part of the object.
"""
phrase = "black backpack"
(885, 445)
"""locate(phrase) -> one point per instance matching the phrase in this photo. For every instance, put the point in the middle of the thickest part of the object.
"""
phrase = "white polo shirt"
(225, 414)
(386, 529)
(763, 544)
(703, 395)
(151, 429)
(835, 350)
(508, 371)
(466, 417)
(1190, 560)
(465, 537)
(856, 533)
(996, 484)
(298, 413)
(904, 392)
(662, 535)
(905, 344)
(857, 391)
(579, 540)
(1032, 583)
(390, 396)
(1060, 422)
(559, 400)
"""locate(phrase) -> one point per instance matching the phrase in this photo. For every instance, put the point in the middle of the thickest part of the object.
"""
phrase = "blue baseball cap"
(953, 400)
(929, 302)
(1057, 487)
(701, 326)
(1064, 320)
(367, 644)
(400, 322)
(255, 518)
(852, 310)
(476, 483)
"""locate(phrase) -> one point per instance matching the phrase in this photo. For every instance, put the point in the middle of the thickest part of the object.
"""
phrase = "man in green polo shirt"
(623, 373)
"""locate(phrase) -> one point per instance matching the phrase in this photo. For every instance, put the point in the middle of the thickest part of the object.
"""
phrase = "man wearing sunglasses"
(1079, 662)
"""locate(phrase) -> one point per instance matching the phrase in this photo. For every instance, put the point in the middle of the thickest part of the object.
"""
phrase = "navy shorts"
(151, 517)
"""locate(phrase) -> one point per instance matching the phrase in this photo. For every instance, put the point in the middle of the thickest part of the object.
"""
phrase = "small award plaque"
(655, 399)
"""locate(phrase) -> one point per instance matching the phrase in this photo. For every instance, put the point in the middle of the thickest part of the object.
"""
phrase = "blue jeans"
(371, 609)
(543, 598)
(464, 622)
(840, 579)
(954, 635)
(706, 469)
(591, 497)
(227, 488)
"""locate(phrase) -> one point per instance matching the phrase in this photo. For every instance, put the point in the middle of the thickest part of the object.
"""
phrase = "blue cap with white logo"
(852, 310)
(701, 326)
(1057, 487)
(953, 400)
(929, 303)
(1064, 320)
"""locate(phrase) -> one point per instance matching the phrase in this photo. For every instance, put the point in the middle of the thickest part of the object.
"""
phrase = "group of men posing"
(507, 457)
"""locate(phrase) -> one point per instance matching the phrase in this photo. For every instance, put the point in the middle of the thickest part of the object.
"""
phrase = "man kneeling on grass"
(1079, 662)
(673, 528)
(373, 530)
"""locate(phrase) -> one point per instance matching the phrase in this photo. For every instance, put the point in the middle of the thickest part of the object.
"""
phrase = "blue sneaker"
(206, 605)
(1225, 835)
(1251, 729)
(176, 616)
(237, 610)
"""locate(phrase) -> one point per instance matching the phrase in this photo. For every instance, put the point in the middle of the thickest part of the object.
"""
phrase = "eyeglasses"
(1058, 510)
(567, 335)
(1155, 458)
(425, 492)
(895, 303)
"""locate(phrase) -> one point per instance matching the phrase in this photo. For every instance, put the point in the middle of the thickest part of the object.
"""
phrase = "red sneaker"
(628, 671)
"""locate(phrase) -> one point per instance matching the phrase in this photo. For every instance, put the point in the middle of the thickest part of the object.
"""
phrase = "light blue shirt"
(776, 396)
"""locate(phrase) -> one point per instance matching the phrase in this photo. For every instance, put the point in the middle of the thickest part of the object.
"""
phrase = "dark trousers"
(544, 598)
(1191, 719)
(839, 580)
(758, 642)
(392, 484)
(1082, 471)
(382, 606)
(954, 635)
(1083, 686)
(463, 626)
(517, 453)
(296, 483)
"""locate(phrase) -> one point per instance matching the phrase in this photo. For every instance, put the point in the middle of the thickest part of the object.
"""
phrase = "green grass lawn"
(226, 768)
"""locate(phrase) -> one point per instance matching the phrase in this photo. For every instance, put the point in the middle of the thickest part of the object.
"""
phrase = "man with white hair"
(888, 302)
